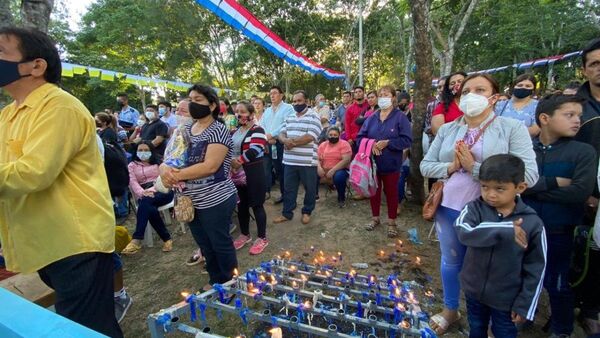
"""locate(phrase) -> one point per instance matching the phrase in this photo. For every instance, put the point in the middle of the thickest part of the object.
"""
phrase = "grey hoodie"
(496, 270)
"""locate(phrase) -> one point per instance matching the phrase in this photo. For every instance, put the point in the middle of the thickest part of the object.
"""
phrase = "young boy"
(505, 260)
(567, 178)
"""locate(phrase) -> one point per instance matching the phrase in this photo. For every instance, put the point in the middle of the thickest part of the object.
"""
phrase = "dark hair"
(153, 159)
(525, 77)
(447, 96)
(591, 46)
(153, 106)
(300, 91)
(372, 92)
(278, 89)
(488, 77)
(110, 120)
(166, 104)
(248, 105)
(347, 92)
(123, 95)
(34, 44)
(358, 87)
(550, 103)
(334, 128)
(209, 94)
(403, 95)
(573, 85)
(503, 168)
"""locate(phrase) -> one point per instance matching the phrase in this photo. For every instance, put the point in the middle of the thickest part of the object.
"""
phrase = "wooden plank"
(30, 287)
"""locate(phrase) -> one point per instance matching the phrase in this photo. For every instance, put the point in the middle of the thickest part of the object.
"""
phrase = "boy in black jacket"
(567, 178)
(505, 260)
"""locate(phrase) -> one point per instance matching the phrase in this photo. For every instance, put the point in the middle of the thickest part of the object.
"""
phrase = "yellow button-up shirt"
(54, 196)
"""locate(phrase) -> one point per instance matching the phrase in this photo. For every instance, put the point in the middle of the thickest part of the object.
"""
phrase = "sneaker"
(241, 241)
(259, 246)
(168, 246)
(196, 258)
(232, 228)
(122, 304)
(342, 204)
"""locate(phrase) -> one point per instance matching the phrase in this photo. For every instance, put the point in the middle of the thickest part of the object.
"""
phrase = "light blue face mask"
(162, 111)
(144, 155)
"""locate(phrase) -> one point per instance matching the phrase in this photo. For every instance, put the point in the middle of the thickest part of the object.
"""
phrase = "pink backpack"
(363, 170)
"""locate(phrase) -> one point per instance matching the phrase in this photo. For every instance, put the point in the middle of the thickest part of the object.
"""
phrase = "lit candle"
(405, 324)
(303, 278)
(276, 332)
(397, 314)
(312, 248)
(418, 261)
(340, 255)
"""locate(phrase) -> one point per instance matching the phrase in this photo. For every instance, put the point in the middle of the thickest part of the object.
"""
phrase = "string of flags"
(71, 69)
(241, 19)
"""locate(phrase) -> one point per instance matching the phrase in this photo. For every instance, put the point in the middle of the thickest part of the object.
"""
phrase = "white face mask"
(473, 104)
(140, 123)
(183, 120)
(384, 102)
(150, 115)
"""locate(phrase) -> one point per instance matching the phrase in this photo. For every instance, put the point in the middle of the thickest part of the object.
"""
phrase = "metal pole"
(360, 46)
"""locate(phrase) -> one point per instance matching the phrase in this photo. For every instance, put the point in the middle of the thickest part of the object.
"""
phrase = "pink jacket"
(140, 173)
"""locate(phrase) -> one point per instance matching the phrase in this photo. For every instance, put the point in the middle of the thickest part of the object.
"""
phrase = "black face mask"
(333, 140)
(199, 111)
(521, 93)
(9, 72)
(299, 108)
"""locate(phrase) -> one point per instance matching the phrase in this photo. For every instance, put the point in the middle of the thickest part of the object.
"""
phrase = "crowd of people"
(519, 173)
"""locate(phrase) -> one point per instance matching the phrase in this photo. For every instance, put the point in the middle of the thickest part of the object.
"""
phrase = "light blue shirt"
(526, 115)
(272, 122)
(130, 115)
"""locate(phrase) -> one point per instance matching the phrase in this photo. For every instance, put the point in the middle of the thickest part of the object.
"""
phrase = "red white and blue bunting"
(238, 17)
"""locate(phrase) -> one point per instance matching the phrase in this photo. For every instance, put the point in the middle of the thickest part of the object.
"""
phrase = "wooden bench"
(30, 287)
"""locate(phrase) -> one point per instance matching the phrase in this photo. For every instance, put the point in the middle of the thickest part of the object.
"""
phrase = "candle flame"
(381, 253)
(405, 324)
(327, 273)
(316, 261)
(397, 292)
(418, 260)
(288, 254)
(429, 293)
(394, 283)
(235, 272)
(273, 280)
(293, 268)
(307, 304)
(303, 277)
(275, 332)
(321, 253)
(372, 279)
(185, 294)
(294, 284)
(352, 273)
(312, 248)
(339, 253)
(401, 307)
(262, 278)
(400, 242)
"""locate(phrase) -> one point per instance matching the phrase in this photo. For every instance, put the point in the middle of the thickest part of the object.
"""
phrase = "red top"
(452, 114)
(352, 113)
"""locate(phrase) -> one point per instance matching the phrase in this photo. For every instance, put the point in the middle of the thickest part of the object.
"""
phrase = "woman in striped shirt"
(249, 143)
(208, 184)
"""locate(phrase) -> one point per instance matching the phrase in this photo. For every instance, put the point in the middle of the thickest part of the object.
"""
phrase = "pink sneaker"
(259, 246)
(241, 241)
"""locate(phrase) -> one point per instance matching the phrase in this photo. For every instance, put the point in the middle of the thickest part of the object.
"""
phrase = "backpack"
(115, 164)
(363, 170)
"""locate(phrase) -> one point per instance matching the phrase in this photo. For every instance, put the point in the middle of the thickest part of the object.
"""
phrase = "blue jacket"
(397, 130)
(561, 208)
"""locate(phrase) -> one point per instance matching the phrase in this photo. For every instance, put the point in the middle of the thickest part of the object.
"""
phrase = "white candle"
(276, 332)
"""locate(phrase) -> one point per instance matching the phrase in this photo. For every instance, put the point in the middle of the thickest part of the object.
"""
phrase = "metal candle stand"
(303, 298)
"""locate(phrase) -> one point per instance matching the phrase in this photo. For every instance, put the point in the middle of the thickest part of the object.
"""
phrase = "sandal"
(392, 231)
(131, 248)
(374, 224)
(442, 323)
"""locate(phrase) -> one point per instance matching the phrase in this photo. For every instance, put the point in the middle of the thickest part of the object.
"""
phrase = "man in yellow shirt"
(56, 214)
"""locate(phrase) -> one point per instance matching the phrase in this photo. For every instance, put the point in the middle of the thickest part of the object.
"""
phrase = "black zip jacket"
(496, 270)
(561, 208)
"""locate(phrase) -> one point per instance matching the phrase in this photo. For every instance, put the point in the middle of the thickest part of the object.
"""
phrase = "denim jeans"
(340, 181)
(453, 253)
(270, 163)
(404, 173)
(148, 211)
(121, 206)
(556, 282)
(294, 175)
(210, 229)
(479, 316)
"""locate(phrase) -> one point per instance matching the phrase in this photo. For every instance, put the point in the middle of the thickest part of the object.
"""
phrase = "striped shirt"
(297, 126)
(207, 192)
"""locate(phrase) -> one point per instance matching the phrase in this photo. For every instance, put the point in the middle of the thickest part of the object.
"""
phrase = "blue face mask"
(144, 155)
(162, 111)
(9, 72)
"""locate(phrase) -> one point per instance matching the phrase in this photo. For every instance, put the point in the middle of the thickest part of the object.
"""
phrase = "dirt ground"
(155, 279)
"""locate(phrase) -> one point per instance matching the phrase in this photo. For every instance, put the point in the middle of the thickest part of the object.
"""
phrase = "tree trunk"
(422, 48)
(36, 13)
(6, 18)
